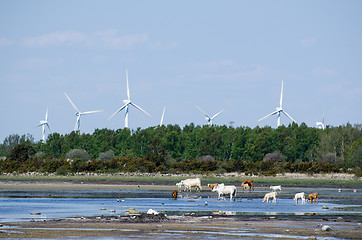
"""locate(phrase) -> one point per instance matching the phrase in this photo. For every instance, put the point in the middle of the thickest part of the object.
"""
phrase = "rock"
(339, 218)
(152, 212)
(132, 211)
(326, 228)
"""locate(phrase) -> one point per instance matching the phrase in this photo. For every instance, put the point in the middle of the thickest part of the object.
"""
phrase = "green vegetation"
(159, 179)
(192, 149)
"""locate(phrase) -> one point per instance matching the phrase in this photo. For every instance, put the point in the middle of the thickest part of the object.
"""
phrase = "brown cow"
(313, 196)
(212, 185)
(174, 194)
(250, 183)
(245, 186)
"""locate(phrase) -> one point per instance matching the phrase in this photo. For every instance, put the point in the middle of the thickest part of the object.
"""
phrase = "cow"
(245, 186)
(250, 184)
(221, 189)
(275, 188)
(299, 195)
(313, 196)
(189, 183)
(270, 195)
(174, 194)
(212, 185)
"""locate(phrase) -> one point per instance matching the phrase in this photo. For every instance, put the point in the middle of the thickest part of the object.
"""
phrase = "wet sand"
(199, 227)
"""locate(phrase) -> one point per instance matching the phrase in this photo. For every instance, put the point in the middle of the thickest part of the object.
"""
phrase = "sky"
(230, 55)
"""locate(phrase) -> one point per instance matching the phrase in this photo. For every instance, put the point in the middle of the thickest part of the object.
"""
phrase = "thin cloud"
(162, 45)
(306, 42)
(4, 42)
(33, 64)
(110, 39)
(325, 72)
(68, 37)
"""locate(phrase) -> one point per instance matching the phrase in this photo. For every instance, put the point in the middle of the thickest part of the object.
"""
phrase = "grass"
(171, 180)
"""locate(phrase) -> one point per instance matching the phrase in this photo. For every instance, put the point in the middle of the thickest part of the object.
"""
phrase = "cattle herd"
(230, 190)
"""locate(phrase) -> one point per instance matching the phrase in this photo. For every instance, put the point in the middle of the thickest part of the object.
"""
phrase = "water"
(26, 205)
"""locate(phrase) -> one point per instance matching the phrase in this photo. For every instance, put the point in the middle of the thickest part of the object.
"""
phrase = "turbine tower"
(79, 113)
(208, 118)
(279, 110)
(44, 123)
(127, 103)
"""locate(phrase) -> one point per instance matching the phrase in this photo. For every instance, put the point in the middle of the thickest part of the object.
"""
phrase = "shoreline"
(146, 226)
(199, 226)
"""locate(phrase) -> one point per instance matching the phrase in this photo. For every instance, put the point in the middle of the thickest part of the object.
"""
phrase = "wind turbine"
(279, 110)
(321, 125)
(44, 123)
(127, 102)
(208, 118)
(163, 114)
(79, 113)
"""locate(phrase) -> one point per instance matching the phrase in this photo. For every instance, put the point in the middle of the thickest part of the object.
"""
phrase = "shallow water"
(20, 205)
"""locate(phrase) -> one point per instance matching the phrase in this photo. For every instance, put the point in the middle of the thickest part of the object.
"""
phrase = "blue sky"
(228, 55)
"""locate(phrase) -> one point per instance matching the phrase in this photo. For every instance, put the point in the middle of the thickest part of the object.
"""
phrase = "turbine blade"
(163, 114)
(118, 111)
(289, 116)
(268, 115)
(203, 111)
(128, 95)
(89, 112)
(46, 115)
(217, 114)
(71, 103)
(281, 97)
(140, 108)
(48, 127)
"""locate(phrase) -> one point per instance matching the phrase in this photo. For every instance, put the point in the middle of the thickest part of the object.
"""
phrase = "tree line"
(292, 148)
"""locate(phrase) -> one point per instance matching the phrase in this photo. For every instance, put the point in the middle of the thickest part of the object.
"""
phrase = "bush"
(79, 154)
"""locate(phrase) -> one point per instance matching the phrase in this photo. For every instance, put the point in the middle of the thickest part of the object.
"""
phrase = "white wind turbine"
(44, 123)
(79, 113)
(163, 114)
(208, 118)
(127, 102)
(321, 125)
(279, 110)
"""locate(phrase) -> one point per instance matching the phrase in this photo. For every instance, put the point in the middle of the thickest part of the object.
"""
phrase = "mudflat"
(149, 226)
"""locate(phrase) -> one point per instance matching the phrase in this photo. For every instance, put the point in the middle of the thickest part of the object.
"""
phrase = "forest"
(192, 149)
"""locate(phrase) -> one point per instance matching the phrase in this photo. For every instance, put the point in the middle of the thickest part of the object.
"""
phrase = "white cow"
(221, 189)
(270, 195)
(189, 183)
(275, 188)
(299, 195)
